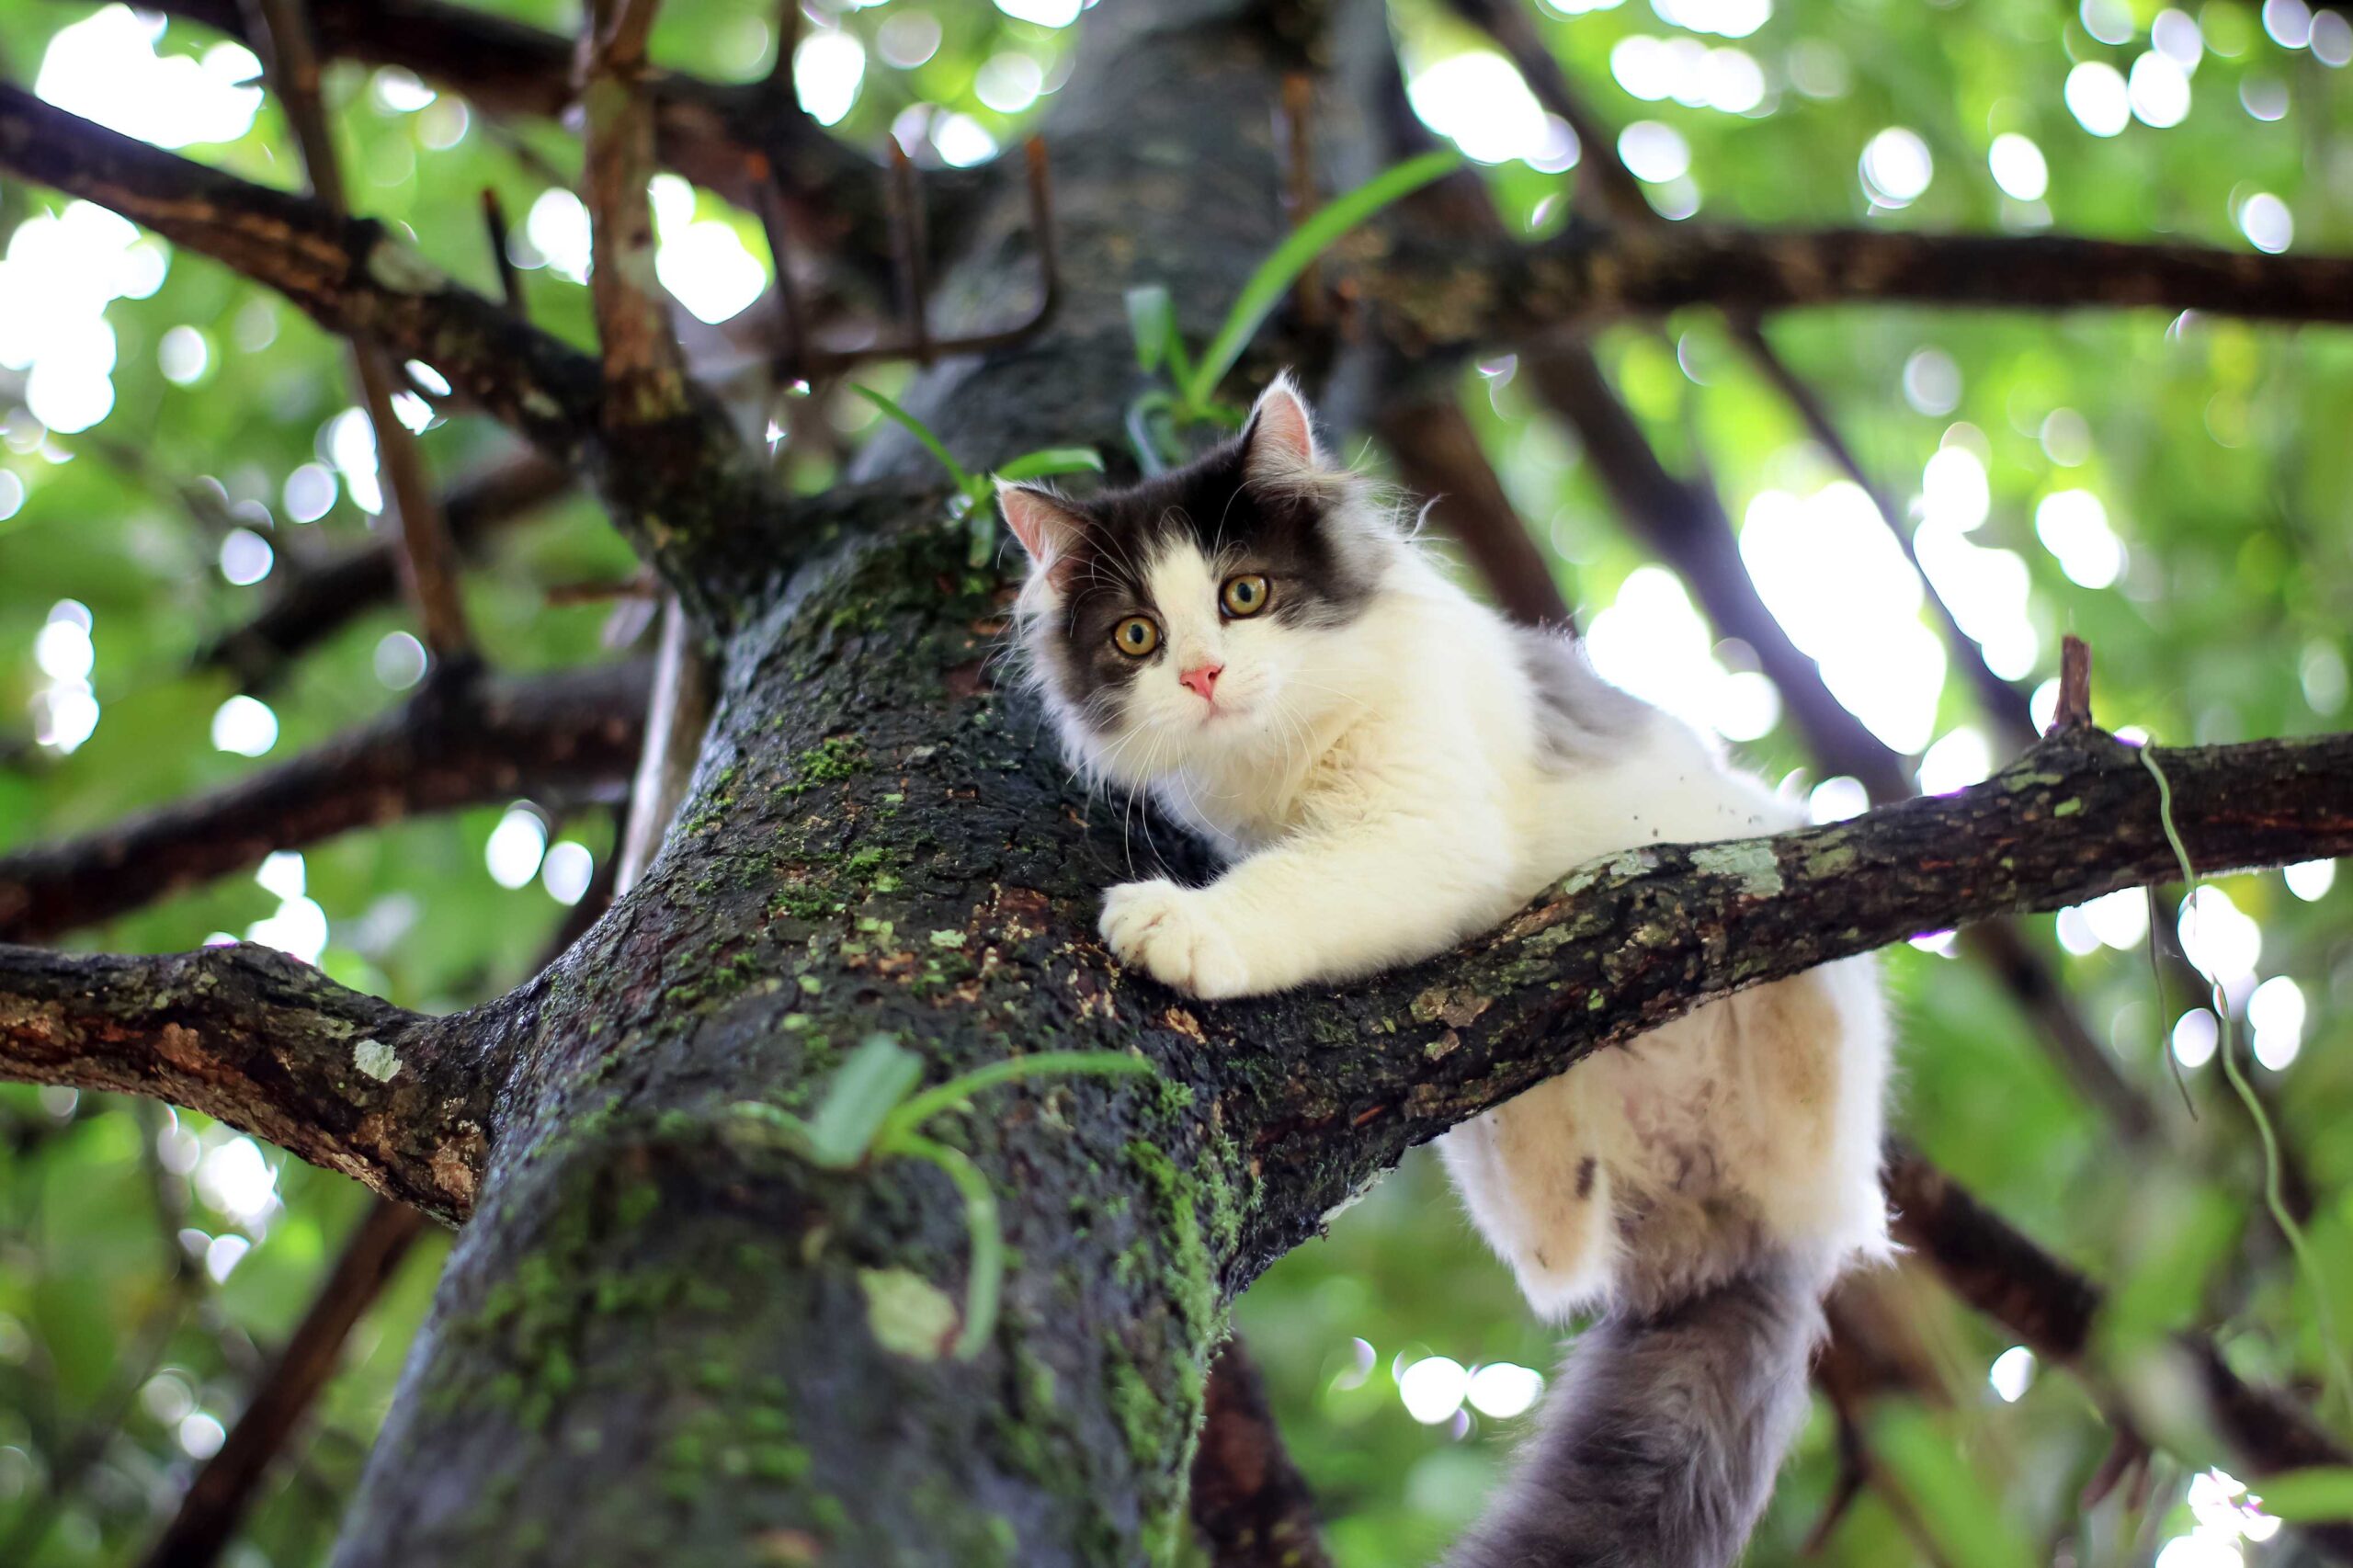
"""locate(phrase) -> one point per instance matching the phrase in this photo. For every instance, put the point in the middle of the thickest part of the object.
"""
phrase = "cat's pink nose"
(1203, 679)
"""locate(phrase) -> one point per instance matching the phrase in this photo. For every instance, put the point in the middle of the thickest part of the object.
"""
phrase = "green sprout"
(1189, 398)
(870, 1112)
(974, 491)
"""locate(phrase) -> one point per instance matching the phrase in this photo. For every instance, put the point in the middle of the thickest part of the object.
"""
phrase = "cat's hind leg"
(1533, 1177)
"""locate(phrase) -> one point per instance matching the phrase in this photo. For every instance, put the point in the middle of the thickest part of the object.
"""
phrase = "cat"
(1387, 767)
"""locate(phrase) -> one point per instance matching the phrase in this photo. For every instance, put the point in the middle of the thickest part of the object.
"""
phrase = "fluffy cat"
(1387, 767)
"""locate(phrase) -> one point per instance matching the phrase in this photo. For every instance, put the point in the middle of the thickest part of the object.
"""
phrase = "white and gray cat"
(1389, 767)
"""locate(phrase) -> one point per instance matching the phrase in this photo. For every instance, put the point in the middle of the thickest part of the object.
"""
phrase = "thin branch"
(678, 710)
(2003, 702)
(217, 1499)
(573, 735)
(1295, 144)
(2074, 706)
(280, 31)
(268, 1044)
(317, 601)
(703, 130)
(1607, 190)
(510, 281)
(1439, 458)
(2054, 1310)
(1623, 945)
(1429, 294)
(694, 503)
(645, 370)
(1249, 1501)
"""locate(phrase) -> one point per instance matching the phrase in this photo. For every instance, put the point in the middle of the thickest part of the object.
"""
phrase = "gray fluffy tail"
(1659, 1445)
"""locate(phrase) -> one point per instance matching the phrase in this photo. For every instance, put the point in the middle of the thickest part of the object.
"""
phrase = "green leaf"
(2307, 1497)
(1047, 462)
(987, 1278)
(864, 1091)
(921, 432)
(1152, 318)
(956, 1091)
(1304, 243)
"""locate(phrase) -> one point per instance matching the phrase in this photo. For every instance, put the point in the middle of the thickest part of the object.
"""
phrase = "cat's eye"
(1245, 594)
(1136, 637)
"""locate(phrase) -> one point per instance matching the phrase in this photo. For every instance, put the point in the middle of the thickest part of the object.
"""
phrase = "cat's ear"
(1279, 444)
(1044, 523)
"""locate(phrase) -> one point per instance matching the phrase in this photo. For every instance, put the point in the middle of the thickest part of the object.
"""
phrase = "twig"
(1294, 137)
(793, 365)
(677, 712)
(2074, 709)
(788, 22)
(510, 282)
(906, 252)
(281, 35)
(217, 1499)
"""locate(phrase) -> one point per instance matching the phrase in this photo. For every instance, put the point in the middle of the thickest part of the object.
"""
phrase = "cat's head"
(1208, 613)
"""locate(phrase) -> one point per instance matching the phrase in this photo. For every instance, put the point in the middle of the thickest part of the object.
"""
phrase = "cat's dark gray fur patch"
(1581, 717)
(1658, 1444)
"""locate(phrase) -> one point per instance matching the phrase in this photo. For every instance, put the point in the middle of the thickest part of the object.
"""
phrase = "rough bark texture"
(265, 1044)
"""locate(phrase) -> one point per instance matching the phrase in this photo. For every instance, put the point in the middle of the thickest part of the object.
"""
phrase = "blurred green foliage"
(2218, 450)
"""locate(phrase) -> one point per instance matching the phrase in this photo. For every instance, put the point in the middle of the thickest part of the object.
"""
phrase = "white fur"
(1382, 790)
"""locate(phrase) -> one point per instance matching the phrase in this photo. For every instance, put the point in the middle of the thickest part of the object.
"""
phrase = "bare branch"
(2075, 707)
(1439, 458)
(1426, 294)
(316, 601)
(281, 32)
(567, 736)
(264, 1043)
(1623, 945)
(2054, 1310)
(216, 1500)
(645, 370)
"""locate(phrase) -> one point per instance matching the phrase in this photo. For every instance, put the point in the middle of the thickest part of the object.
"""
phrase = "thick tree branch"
(268, 1044)
(567, 736)
(1623, 945)
(2054, 1309)
(1683, 520)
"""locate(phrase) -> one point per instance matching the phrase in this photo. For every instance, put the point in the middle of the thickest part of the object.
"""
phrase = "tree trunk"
(661, 1338)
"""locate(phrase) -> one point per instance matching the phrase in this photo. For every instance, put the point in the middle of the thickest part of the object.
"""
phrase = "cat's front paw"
(1170, 934)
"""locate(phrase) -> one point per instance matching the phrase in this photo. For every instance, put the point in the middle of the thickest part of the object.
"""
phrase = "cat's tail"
(1658, 1445)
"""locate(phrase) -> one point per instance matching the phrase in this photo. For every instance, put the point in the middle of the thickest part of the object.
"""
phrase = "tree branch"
(316, 601)
(1430, 295)
(1439, 458)
(268, 1044)
(1625, 944)
(216, 1500)
(280, 31)
(569, 735)
(677, 502)
(2054, 1310)
(707, 130)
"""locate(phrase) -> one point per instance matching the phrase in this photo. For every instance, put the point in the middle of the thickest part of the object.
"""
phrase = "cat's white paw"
(1169, 933)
